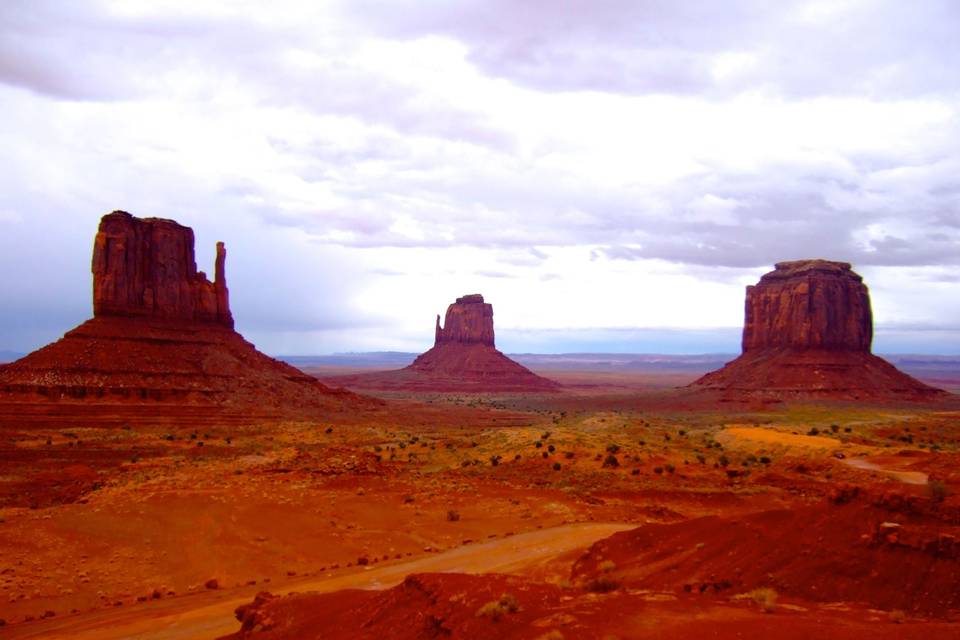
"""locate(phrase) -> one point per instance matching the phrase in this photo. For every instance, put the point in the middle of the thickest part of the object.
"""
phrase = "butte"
(161, 336)
(464, 358)
(807, 333)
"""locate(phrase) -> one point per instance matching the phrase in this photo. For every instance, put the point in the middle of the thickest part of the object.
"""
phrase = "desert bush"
(551, 448)
(813, 432)
(658, 470)
(613, 448)
(556, 466)
(937, 490)
(495, 609)
(601, 584)
(611, 461)
(453, 515)
(765, 597)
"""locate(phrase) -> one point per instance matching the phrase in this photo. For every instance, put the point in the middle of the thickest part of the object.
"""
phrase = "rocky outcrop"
(146, 267)
(807, 332)
(463, 358)
(161, 334)
(469, 320)
(808, 304)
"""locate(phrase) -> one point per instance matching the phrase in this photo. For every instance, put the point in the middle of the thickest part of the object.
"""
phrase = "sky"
(610, 174)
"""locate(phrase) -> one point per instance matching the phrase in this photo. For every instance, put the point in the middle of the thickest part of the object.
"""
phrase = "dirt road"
(209, 615)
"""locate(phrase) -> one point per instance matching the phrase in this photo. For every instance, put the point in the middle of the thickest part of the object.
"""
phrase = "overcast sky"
(610, 174)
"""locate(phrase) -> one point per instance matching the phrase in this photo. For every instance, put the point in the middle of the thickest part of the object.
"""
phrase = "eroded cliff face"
(161, 334)
(809, 304)
(807, 332)
(146, 267)
(469, 320)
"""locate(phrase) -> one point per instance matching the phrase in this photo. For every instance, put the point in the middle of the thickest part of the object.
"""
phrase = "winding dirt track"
(210, 615)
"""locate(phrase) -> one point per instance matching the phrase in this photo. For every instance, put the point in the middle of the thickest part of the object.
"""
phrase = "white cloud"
(634, 166)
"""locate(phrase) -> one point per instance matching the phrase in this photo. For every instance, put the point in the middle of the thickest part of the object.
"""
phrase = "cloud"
(695, 47)
(371, 161)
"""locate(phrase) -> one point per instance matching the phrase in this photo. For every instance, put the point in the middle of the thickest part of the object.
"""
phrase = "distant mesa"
(162, 333)
(808, 332)
(463, 358)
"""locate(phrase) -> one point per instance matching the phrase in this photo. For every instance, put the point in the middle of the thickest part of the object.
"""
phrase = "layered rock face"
(146, 267)
(469, 320)
(463, 358)
(808, 330)
(161, 334)
(809, 304)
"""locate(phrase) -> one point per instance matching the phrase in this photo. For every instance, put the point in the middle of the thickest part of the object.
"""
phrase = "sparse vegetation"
(611, 462)
(496, 609)
(937, 490)
(765, 598)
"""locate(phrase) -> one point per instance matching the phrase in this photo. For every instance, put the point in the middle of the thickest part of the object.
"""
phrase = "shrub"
(602, 584)
(556, 466)
(765, 597)
(613, 448)
(453, 515)
(813, 432)
(611, 461)
(495, 609)
(937, 490)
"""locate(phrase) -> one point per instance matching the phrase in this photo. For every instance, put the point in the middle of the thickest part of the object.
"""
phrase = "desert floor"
(161, 529)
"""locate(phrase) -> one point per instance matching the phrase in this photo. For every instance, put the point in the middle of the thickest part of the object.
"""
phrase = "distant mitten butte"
(807, 332)
(146, 267)
(469, 320)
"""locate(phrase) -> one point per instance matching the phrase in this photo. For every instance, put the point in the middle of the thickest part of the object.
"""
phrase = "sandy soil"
(127, 521)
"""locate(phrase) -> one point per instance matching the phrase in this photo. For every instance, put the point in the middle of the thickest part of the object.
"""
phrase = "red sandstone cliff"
(808, 304)
(469, 320)
(463, 358)
(163, 334)
(808, 330)
(146, 267)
